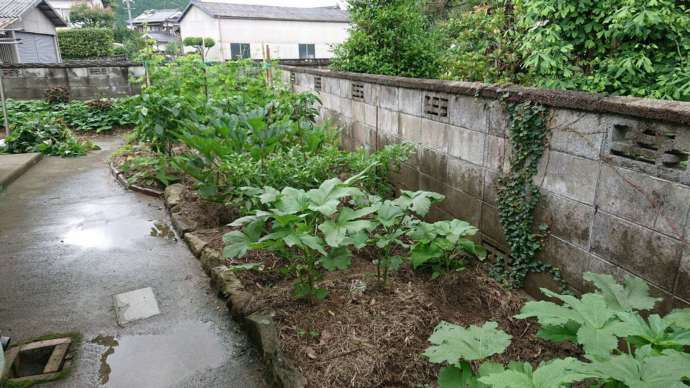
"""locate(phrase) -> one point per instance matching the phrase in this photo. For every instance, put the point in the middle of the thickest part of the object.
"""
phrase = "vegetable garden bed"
(344, 280)
(364, 335)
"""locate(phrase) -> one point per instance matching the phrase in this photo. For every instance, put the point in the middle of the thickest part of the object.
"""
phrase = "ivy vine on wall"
(518, 197)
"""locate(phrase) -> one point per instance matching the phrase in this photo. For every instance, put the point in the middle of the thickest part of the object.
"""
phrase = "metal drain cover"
(36, 361)
(135, 305)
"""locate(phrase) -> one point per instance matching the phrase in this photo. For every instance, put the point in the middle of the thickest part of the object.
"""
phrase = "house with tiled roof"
(28, 32)
(244, 30)
(161, 25)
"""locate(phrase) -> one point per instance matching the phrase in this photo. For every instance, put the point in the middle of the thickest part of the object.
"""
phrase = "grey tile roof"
(157, 16)
(161, 37)
(247, 11)
(13, 10)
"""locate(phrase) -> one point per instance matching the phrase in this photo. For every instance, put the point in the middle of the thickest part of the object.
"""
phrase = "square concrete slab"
(135, 305)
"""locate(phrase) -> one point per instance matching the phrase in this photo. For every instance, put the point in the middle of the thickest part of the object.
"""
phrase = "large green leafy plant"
(319, 228)
(653, 352)
(311, 229)
(45, 134)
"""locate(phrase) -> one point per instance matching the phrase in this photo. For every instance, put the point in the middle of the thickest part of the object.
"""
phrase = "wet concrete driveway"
(70, 239)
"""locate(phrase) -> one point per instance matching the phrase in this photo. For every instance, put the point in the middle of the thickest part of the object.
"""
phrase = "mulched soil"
(363, 335)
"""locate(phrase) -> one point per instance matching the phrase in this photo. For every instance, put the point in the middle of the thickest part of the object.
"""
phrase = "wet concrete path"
(70, 239)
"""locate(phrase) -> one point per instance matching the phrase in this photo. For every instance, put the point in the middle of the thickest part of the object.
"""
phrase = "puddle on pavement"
(111, 343)
(162, 230)
(161, 360)
(113, 234)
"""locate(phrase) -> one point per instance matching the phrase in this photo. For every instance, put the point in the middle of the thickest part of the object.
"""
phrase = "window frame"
(241, 47)
(305, 48)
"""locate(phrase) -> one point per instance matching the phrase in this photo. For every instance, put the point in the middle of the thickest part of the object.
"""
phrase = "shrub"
(79, 43)
(85, 16)
(57, 95)
(629, 47)
(390, 37)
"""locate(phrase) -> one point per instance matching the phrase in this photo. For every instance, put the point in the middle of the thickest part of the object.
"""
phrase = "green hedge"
(78, 43)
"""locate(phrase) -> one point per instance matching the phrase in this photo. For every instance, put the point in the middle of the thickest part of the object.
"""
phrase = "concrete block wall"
(615, 187)
(84, 81)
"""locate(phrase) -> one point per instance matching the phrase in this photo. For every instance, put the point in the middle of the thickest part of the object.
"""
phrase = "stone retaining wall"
(85, 81)
(615, 183)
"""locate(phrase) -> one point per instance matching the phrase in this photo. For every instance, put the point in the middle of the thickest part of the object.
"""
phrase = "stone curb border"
(120, 178)
(5, 183)
(260, 325)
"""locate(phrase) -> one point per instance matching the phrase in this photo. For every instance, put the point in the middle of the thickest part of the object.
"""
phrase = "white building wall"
(282, 37)
(198, 23)
(35, 21)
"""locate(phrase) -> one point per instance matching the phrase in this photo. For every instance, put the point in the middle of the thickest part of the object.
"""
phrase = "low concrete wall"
(84, 80)
(616, 189)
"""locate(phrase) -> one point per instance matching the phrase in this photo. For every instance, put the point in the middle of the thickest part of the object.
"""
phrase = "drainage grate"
(36, 361)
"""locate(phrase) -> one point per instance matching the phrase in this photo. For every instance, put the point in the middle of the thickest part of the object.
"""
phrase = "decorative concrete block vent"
(11, 73)
(357, 91)
(37, 361)
(97, 71)
(317, 83)
(436, 106)
(651, 145)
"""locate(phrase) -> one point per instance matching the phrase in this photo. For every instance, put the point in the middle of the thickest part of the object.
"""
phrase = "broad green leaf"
(326, 198)
(338, 258)
(313, 242)
(655, 331)
(633, 294)
(679, 318)
(597, 342)
(291, 201)
(548, 313)
(454, 377)
(236, 244)
(453, 343)
(269, 195)
(388, 214)
(567, 332)
(552, 374)
(473, 248)
(418, 201)
(346, 224)
(644, 370)
(421, 253)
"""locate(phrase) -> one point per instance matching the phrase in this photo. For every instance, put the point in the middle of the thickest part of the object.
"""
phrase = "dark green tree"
(391, 37)
(85, 16)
